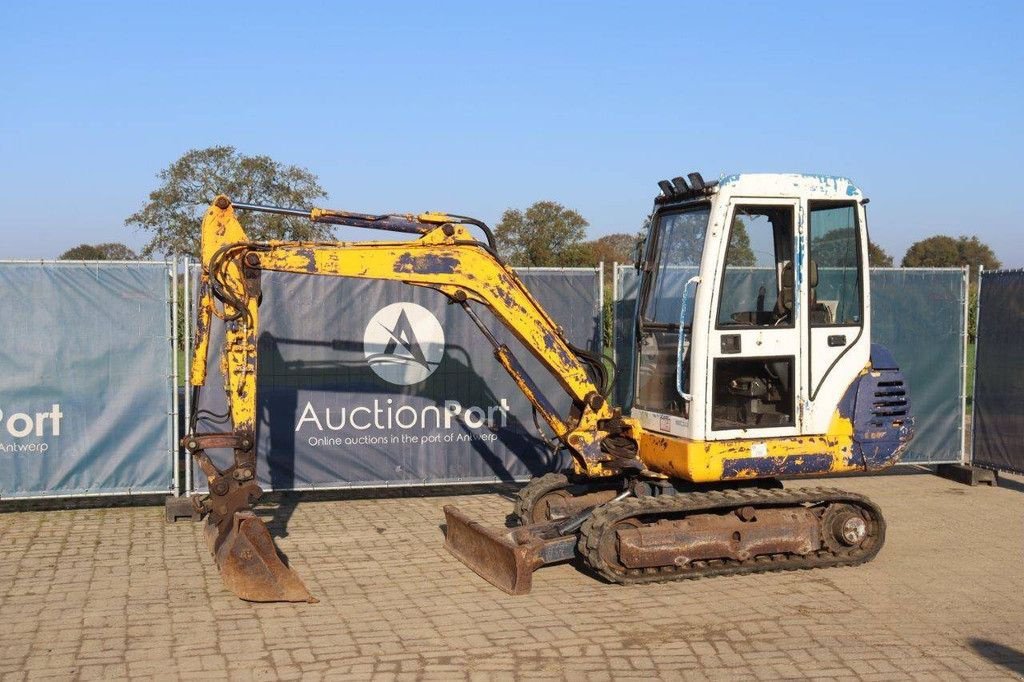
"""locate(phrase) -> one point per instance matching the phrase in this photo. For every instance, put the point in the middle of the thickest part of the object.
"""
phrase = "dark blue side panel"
(769, 467)
(878, 403)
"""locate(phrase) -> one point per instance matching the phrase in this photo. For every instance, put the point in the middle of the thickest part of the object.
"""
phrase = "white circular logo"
(403, 343)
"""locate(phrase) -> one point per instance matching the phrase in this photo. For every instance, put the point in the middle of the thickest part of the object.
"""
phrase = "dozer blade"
(506, 558)
(250, 565)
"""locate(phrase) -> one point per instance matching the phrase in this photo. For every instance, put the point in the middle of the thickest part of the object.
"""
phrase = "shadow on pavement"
(1007, 657)
(1015, 484)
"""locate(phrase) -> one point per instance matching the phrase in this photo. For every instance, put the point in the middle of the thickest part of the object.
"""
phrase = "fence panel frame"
(977, 345)
(169, 320)
(977, 354)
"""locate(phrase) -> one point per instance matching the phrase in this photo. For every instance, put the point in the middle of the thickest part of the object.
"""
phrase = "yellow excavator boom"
(445, 257)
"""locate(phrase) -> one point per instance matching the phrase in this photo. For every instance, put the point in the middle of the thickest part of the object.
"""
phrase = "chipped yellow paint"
(239, 368)
(704, 461)
(238, 364)
(220, 227)
(436, 218)
(445, 258)
(201, 346)
(584, 442)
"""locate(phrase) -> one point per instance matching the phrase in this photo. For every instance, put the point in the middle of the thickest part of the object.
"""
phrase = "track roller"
(697, 535)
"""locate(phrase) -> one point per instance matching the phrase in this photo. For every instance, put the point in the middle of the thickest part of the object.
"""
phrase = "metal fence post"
(174, 373)
(169, 331)
(189, 332)
(186, 309)
(966, 289)
(615, 308)
(977, 345)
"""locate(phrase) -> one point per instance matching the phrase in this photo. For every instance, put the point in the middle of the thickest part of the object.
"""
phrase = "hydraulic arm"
(445, 257)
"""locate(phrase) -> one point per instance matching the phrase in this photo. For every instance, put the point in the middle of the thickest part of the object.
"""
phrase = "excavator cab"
(753, 361)
(753, 314)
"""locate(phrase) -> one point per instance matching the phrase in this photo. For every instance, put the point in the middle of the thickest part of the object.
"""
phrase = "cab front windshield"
(678, 244)
(678, 241)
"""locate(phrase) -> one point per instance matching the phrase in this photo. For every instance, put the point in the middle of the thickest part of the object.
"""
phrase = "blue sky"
(476, 107)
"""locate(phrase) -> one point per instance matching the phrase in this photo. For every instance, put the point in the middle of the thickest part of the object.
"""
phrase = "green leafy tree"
(877, 256)
(105, 251)
(174, 211)
(645, 225)
(938, 252)
(545, 234)
(611, 248)
(640, 241)
(942, 251)
(739, 252)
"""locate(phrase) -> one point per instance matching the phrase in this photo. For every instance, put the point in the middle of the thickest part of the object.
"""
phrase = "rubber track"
(605, 518)
(530, 494)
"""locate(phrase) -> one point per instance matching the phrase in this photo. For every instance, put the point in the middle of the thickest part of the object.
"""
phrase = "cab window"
(835, 264)
(679, 244)
(757, 280)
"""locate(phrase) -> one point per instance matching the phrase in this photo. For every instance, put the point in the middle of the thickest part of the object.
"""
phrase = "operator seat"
(819, 312)
(784, 303)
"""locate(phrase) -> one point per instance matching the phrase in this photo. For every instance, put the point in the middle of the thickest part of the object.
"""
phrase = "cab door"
(837, 303)
(755, 360)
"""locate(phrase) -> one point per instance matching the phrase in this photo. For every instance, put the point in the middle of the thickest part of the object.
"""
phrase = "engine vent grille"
(889, 405)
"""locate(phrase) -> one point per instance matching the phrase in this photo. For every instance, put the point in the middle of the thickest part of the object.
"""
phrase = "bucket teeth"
(250, 564)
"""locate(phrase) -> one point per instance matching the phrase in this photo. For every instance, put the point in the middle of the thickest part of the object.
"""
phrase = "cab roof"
(790, 184)
(782, 185)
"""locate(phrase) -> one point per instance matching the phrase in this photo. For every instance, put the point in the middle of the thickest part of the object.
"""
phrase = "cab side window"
(834, 266)
(757, 281)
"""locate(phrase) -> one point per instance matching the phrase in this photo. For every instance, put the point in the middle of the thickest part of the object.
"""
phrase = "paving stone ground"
(111, 593)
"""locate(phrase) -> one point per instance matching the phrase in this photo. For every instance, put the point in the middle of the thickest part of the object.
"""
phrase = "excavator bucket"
(250, 564)
(506, 558)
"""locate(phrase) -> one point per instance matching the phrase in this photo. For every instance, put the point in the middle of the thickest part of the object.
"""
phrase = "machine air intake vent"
(890, 403)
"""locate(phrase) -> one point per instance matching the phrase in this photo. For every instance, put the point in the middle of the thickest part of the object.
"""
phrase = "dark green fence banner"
(918, 314)
(85, 356)
(999, 373)
(371, 383)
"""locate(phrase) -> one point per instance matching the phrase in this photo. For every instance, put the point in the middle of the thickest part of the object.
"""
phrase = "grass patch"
(182, 379)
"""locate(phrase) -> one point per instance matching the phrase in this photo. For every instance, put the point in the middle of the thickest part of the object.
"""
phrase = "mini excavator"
(753, 362)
